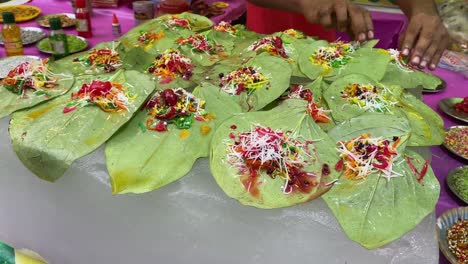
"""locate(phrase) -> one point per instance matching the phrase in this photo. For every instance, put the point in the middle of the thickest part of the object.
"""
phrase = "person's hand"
(425, 40)
(341, 15)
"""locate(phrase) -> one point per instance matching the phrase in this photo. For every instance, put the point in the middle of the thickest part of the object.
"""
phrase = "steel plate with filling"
(447, 106)
(75, 44)
(9, 63)
(450, 148)
(29, 35)
(454, 180)
(444, 223)
(67, 19)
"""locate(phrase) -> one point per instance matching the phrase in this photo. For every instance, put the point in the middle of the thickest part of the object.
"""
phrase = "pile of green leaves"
(371, 211)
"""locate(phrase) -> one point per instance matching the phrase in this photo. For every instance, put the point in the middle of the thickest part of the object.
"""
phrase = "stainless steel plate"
(445, 222)
(72, 22)
(8, 63)
(438, 89)
(38, 45)
(446, 105)
(29, 35)
(451, 181)
(450, 148)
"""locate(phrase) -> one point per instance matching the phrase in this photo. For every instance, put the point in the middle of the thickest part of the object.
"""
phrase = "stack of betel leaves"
(284, 119)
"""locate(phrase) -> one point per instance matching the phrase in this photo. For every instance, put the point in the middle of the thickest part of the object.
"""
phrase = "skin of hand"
(341, 15)
(425, 38)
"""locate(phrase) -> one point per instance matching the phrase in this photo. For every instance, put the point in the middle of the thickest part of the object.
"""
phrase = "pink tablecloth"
(387, 27)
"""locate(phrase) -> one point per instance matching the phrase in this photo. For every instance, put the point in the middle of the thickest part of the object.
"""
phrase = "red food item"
(339, 165)
(462, 106)
(170, 97)
(94, 89)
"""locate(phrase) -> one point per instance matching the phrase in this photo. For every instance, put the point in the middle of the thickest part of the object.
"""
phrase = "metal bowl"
(27, 37)
(449, 148)
(445, 222)
(451, 184)
(446, 105)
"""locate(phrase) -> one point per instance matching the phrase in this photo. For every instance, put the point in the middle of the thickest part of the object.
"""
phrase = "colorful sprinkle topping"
(105, 58)
(456, 139)
(30, 75)
(294, 33)
(462, 106)
(317, 113)
(275, 153)
(244, 79)
(109, 96)
(148, 37)
(367, 97)
(175, 106)
(170, 64)
(175, 22)
(364, 155)
(226, 27)
(199, 43)
(460, 183)
(272, 45)
(457, 240)
(399, 60)
(334, 56)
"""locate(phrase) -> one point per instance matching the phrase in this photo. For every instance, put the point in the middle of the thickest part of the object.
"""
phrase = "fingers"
(361, 23)
(430, 52)
(438, 54)
(410, 37)
(369, 25)
(341, 13)
(326, 17)
(423, 42)
(427, 37)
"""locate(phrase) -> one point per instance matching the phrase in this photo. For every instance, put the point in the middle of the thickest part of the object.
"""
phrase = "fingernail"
(423, 64)
(370, 34)
(362, 37)
(405, 52)
(415, 60)
(433, 66)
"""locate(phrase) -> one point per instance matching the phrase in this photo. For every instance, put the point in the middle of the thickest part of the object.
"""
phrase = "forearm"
(412, 7)
(290, 5)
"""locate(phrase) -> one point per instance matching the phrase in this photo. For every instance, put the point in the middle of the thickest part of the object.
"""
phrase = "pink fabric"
(457, 85)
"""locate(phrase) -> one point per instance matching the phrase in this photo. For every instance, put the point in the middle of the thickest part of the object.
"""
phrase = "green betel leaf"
(375, 211)
(152, 39)
(140, 159)
(331, 62)
(103, 58)
(377, 124)
(344, 106)
(139, 60)
(262, 190)
(370, 43)
(264, 79)
(346, 100)
(400, 73)
(204, 50)
(48, 138)
(185, 23)
(17, 95)
(427, 126)
(367, 61)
